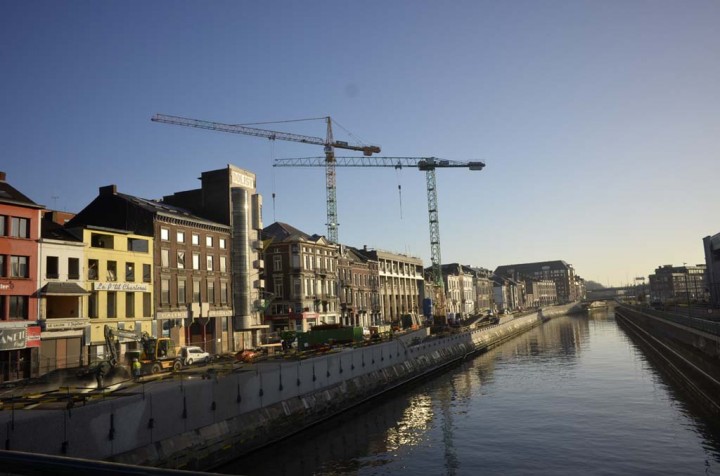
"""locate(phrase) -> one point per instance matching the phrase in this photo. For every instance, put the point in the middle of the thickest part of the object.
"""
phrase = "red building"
(20, 220)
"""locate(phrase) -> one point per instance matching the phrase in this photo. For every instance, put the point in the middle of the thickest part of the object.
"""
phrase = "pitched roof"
(162, 208)
(280, 231)
(11, 195)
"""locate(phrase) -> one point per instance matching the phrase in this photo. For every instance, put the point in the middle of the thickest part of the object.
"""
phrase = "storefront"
(19, 345)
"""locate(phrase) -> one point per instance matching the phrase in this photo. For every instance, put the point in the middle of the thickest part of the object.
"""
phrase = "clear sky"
(598, 120)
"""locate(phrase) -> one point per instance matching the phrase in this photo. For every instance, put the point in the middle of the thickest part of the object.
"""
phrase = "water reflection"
(574, 395)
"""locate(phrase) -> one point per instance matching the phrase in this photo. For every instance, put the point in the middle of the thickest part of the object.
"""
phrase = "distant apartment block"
(679, 284)
(561, 273)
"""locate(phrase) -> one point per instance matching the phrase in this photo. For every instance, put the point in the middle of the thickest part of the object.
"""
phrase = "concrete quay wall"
(201, 423)
(687, 355)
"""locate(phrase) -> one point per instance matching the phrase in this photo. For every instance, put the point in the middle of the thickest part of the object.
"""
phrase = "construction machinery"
(425, 164)
(329, 143)
(156, 354)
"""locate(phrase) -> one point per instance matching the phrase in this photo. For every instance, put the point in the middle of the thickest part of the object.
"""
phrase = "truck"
(329, 334)
(156, 354)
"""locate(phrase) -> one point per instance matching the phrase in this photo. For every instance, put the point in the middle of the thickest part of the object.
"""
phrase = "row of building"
(199, 267)
(688, 284)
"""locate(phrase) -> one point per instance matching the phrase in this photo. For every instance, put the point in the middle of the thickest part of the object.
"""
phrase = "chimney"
(108, 190)
(2, 176)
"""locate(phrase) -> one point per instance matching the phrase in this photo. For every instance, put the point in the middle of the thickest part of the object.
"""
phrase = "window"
(98, 240)
(196, 239)
(19, 227)
(223, 264)
(3, 271)
(223, 292)
(52, 267)
(181, 260)
(130, 272)
(112, 270)
(295, 261)
(196, 290)
(222, 243)
(209, 241)
(211, 292)
(297, 288)
(19, 267)
(147, 273)
(92, 269)
(165, 258)
(18, 307)
(137, 245)
(129, 304)
(210, 263)
(164, 234)
(111, 304)
(181, 237)
(147, 304)
(164, 291)
(277, 262)
(278, 287)
(196, 261)
(92, 304)
(73, 268)
(181, 291)
(3, 229)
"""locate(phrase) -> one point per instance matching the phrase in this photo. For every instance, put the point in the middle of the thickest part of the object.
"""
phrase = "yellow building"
(119, 278)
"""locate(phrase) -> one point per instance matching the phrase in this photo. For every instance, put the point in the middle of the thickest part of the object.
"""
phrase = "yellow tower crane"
(426, 164)
(329, 143)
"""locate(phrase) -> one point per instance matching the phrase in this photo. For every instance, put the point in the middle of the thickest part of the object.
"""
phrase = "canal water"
(573, 396)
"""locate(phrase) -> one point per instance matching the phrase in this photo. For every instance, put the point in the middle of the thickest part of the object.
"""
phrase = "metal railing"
(705, 325)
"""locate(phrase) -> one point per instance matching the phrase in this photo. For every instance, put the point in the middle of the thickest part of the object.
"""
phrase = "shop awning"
(63, 289)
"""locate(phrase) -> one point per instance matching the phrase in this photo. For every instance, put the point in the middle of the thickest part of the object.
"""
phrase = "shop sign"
(12, 338)
(33, 336)
(6, 285)
(172, 315)
(220, 313)
(63, 324)
(239, 178)
(127, 287)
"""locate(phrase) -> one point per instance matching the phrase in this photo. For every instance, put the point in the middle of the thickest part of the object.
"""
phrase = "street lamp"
(687, 287)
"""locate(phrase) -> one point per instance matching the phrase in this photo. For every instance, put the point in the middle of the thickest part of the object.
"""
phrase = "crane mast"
(329, 144)
(425, 164)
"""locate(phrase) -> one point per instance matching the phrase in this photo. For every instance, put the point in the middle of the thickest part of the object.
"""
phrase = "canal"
(573, 396)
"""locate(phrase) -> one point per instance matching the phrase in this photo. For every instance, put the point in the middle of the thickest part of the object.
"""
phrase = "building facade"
(63, 315)
(712, 266)
(358, 283)
(301, 273)
(118, 266)
(229, 196)
(399, 285)
(20, 220)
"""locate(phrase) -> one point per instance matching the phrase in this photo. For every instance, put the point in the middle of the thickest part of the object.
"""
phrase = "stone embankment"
(201, 423)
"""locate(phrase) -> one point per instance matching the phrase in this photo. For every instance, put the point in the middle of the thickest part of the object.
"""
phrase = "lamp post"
(687, 287)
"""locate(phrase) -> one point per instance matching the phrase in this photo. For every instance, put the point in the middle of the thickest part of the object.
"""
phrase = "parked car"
(193, 355)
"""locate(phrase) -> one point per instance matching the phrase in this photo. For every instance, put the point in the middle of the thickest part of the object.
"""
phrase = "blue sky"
(598, 120)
